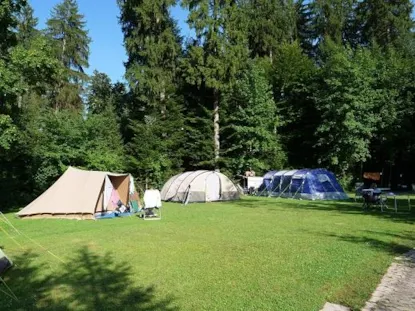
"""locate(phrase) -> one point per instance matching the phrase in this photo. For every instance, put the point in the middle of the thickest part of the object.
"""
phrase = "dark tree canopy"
(260, 85)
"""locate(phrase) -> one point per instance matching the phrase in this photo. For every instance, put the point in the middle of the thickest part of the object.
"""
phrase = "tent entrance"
(114, 189)
(212, 188)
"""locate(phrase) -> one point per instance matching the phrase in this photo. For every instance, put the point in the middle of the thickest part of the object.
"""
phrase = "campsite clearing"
(252, 254)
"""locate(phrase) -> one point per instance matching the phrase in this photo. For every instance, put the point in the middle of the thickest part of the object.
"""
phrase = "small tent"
(312, 184)
(199, 186)
(81, 194)
(5, 262)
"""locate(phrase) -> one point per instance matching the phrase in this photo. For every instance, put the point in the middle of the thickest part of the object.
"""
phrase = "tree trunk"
(63, 50)
(216, 128)
(163, 107)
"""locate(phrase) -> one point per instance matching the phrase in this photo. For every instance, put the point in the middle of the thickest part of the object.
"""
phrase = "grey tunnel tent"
(199, 186)
(80, 194)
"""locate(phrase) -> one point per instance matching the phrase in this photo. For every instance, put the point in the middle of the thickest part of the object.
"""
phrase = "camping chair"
(149, 213)
(371, 198)
(358, 187)
(152, 203)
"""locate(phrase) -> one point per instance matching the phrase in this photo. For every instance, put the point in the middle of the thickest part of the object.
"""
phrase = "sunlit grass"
(254, 254)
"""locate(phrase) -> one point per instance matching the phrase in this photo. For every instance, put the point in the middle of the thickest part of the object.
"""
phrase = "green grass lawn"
(254, 254)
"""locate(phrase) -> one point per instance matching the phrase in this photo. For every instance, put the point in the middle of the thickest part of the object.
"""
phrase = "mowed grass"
(253, 254)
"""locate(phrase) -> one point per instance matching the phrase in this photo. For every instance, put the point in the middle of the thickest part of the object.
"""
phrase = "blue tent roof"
(269, 175)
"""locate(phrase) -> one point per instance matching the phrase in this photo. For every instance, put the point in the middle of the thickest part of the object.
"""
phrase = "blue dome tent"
(311, 184)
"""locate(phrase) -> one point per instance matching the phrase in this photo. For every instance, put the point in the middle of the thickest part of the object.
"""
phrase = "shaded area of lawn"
(87, 282)
(253, 254)
(404, 214)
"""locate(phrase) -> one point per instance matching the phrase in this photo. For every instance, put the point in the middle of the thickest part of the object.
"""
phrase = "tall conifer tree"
(66, 28)
(217, 54)
(153, 47)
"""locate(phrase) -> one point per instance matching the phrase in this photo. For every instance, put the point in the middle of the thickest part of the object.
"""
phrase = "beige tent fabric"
(76, 192)
(199, 186)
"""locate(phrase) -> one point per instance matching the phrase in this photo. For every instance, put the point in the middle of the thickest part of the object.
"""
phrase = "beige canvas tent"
(80, 194)
(199, 186)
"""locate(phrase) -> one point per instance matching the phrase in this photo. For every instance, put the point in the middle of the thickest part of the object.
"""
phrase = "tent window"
(323, 178)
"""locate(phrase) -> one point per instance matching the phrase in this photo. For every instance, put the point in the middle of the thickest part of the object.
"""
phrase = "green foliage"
(153, 151)
(66, 30)
(331, 19)
(220, 50)
(293, 75)
(8, 132)
(26, 25)
(262, 84)
(387, 23)
(214, 59)
(99, 94)
(8, 22)
(269, 23)
(352, 106)
(252, 139)
(104, 150)
(153, 46)
(34, 62)
(65, 138)
(66, 27)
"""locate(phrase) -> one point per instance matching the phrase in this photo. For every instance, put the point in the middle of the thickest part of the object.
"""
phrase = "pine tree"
(153, 47)
(331, 19)
(269, 23)
(26, 26)
(66, 27)
(9, 9)
(216, 56)
(304, 33)
(387, 23)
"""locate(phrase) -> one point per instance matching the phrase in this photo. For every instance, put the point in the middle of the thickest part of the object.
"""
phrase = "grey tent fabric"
(199, 186)
(5, 262)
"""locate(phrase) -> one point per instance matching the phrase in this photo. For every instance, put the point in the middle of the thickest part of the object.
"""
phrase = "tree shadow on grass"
(381, 241)
(87, 282)
(343, 207)
(391, 247)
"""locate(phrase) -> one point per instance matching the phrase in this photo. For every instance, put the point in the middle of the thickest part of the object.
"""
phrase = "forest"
(263, 84)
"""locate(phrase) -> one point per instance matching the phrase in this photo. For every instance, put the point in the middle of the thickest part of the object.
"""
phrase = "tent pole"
(282, 176)
(272, 189)
(337, 192)
(284, 191)
(302, 185)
